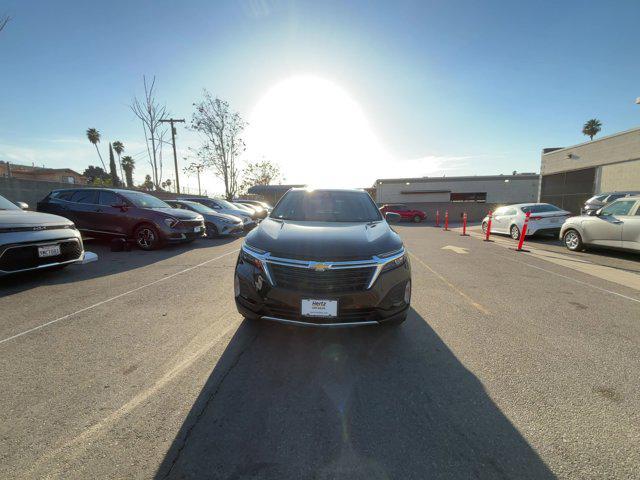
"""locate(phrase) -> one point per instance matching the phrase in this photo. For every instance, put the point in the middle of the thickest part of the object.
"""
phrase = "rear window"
(543, 208)
(63, 194)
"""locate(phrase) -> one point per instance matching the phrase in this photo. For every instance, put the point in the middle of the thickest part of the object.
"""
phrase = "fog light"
(407, 293)
(236, 286)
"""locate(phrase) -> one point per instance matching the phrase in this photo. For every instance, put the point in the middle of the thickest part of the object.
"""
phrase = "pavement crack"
(204, 408)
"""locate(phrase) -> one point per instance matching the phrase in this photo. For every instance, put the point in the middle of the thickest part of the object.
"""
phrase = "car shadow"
(108, 263)
(365, 403)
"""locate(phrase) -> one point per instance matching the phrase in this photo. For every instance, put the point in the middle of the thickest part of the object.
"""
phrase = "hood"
(179, 213)
(324, 241)
(24, 218)
(222, 216)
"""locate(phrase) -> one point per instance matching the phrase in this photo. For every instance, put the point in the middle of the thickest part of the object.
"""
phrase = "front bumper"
(181, 233)
(23, 256)
(257, 298)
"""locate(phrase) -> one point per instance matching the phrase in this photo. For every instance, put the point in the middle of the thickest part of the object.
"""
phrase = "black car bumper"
(385, 301)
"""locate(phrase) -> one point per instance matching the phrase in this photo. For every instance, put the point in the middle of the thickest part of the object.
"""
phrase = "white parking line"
(69, 315)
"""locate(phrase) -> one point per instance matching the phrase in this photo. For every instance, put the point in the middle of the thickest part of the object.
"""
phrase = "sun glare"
(316, 132)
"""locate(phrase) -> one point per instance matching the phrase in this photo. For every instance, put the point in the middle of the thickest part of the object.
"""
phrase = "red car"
(405, 212)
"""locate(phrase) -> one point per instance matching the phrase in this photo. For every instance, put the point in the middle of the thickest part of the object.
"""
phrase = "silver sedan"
(616, 225)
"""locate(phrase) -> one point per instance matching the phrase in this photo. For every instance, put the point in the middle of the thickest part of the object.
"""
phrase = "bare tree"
(3, 21)
(221, 130)
(151, 113)
(259, 173)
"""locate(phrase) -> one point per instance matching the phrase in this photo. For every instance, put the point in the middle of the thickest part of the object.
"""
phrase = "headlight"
(171, 222)
(395, 263)
(246, 256)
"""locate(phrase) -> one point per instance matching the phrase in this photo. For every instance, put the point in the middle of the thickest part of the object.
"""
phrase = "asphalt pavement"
(510, 365)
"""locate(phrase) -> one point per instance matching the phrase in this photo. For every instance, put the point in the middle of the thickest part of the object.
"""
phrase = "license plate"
(49, 251)
(319, 308)
(197, 229)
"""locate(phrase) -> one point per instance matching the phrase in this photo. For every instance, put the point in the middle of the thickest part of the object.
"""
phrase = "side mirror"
(22, 205)
(598, 212)
(392, 217)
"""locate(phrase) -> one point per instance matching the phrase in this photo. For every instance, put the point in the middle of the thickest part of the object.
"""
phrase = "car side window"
(619, 207)
(84, 196)
(64, 195)
(108, 198)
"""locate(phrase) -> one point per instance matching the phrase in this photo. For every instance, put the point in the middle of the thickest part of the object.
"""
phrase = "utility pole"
(173, 140)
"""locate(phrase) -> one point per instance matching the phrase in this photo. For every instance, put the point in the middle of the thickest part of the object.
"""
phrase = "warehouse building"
(475, 195)
(571, 175)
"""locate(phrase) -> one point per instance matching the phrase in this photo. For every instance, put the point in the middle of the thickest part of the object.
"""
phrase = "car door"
(606, 228)
(108, 218)
(81, 206)
(498, 222)
(631, 229)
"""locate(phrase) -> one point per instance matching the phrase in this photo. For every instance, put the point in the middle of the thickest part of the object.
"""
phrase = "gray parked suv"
(33, 241)
(600, 200)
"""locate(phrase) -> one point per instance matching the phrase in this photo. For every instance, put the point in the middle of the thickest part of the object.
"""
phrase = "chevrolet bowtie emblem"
(320, 267)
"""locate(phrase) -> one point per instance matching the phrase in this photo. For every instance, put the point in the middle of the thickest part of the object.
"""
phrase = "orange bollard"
(523, 233)
(437, 218)
(486, 238)
(464, 225)
(446, 221)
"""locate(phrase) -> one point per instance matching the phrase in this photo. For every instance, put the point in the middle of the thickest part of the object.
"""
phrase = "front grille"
(25, 257)
(190, 223)
(280, 310)
(328, 281)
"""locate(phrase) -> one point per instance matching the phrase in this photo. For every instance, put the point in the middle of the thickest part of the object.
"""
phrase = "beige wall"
(620, 176)
(620, 147)
(517, 189)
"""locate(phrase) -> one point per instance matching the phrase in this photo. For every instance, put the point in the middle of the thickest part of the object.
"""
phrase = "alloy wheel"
(146, 238)
(571, 240)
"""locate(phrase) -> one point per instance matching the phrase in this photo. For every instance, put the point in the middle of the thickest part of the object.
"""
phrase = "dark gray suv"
(112, 212)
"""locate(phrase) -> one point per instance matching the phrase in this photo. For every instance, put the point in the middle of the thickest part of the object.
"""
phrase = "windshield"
(144, 200)
(326, 206)
(198, 207)
(545, 207)
(225, 204)
(7, 205)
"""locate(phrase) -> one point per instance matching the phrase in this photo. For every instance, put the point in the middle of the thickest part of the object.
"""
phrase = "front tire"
(514, 231)
(573, 241)
(147, 237)
(417, 219)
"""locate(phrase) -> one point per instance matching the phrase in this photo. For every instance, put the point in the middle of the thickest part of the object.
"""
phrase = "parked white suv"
(545, 219)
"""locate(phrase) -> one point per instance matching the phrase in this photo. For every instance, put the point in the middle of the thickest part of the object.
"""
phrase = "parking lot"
(510, 365)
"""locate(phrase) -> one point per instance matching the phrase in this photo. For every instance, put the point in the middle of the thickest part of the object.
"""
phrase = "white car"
(545, 219)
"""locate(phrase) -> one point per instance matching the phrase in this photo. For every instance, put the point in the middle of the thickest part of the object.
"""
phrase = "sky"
(335, 92)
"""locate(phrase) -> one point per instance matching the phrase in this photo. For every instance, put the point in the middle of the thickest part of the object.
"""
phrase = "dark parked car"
(256, 203)
(324, 258)
(216, 224)
(222, 206)
(34, 241)
(598, 201)
(405, 212)
(111, 212)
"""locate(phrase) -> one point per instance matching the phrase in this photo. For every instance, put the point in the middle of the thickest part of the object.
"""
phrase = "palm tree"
(94, 137)
(115, 181)
(592, 127)
(118, 147)
(128, 164)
